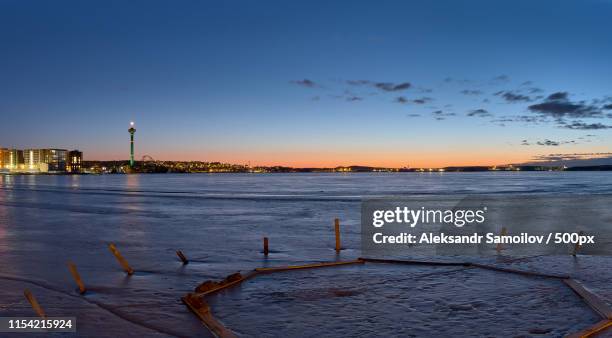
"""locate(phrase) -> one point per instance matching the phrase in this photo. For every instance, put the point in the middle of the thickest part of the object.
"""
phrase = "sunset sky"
(310, 83)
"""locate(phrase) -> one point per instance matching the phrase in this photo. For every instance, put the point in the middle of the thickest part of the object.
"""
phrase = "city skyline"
(318, 84)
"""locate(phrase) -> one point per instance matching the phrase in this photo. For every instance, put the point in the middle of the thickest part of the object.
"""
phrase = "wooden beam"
(30, 297)
(122, 261)
(504, 232)
(520, 272)
(591, 331)
(407, 261)
(265, 246)
(227, 285)
(201, 309)
(337, 230)
(307, 266)
(577, 246)
(590, 298)
(77, 277)
(182, 257)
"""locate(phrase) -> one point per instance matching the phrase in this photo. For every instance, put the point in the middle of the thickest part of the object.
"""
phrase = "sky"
(310, 83)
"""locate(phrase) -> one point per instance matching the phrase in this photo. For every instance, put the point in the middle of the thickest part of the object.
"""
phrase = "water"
(219, 220)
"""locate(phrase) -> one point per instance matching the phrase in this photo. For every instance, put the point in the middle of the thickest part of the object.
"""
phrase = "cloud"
(513, 97)
(547, 142)
(450, 79)
(576, 159)
(424, 90)
(354, 98)
(392, 87)
(413, 115)
(401, 99)
(404, 100)
(558, 105)
(479, 113)
(422, 100)
(440, 115)
(358, 82)
(384, 86)
(471, 92)
(558, 96)
(577, 125)
(522, 118)
(501, 78)
(608, 107)
(535, 90)
(532, 89)
(305, 83)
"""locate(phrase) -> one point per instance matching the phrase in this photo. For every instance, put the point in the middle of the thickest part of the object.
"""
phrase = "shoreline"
(573, 169)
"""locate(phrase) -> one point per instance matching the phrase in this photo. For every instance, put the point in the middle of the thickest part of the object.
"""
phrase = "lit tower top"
(132, 130)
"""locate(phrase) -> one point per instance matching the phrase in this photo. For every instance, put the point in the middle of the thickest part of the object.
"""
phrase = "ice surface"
(218, 221)
(388, 300)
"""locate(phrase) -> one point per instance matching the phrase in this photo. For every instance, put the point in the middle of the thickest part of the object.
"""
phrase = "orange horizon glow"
(306, 159)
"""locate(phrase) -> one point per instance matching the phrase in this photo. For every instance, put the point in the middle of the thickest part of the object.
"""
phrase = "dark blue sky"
(309, 83)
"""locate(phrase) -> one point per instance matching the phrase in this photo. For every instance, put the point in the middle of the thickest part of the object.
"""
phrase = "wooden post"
(120, 259)
(504, 232)
(30, 297)
(265, 244)
(577, 245)
(180, 255)
(77, 277)
(337, 229)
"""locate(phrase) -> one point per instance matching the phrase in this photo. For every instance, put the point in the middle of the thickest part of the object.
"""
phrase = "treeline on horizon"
(218, 167)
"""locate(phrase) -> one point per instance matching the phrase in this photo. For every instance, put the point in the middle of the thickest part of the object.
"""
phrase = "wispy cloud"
(401, 99)
(404, 100)
(558, 105)
(575, 159)
(503, 78)
(305, 83)
(577, 125)
(441, 115)
(358, 82)
(547, 142)
(471, 92)
(479, 113)
(384, 86)
(392, 87)
(513, 97)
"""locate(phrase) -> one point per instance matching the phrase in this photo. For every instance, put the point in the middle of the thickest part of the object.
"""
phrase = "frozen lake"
(219, 220)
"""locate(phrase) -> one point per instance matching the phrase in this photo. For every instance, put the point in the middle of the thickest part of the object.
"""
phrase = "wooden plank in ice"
(201, 309)
(590, 298)
(593, 330)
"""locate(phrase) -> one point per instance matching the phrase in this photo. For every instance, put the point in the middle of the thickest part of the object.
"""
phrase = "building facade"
(74, 161)
(40, 160)
(36, 160)
(13, 159)
(2, 159)
(57, 160)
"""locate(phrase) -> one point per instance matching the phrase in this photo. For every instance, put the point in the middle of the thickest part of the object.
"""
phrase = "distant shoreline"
(157, 168)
